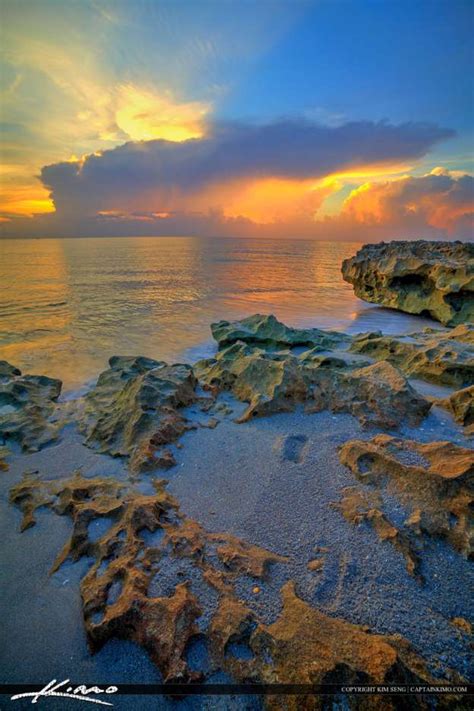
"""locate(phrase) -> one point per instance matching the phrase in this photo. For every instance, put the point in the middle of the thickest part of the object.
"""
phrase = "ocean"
(67, 305)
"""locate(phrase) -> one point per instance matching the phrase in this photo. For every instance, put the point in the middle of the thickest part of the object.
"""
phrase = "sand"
(270, 481)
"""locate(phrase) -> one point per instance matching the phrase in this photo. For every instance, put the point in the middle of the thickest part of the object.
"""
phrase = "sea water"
(67, 305)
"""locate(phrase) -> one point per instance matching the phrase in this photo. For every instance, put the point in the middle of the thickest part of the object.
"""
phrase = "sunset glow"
(25, 200)
(145, 124)
(270, 199)
(144, 116)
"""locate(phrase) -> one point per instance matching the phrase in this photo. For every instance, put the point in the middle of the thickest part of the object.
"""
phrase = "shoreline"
(396, 324)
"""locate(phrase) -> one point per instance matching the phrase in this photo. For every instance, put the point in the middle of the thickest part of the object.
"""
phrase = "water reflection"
(67, 305)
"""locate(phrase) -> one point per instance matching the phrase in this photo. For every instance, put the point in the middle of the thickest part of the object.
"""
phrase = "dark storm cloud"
(294, 149)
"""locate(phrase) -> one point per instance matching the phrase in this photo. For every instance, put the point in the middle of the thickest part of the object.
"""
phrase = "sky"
(332, 119)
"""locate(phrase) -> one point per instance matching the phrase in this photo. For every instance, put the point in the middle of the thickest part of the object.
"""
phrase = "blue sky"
(408, 60)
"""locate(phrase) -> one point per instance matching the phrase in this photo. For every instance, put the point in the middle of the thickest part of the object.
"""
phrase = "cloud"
(79, 77)
(439, 200)
(261, 180)
(166, 176)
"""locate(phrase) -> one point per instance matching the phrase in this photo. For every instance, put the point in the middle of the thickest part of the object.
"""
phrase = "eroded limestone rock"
(116, 592)
(417, 277)
(269, 382)
(461, 405)
(116, 595)
(7, 370)
(305, 645)
(377, 394)
(3, 456)
(134, 410)
(27, 403)
(444, 357)
(434, 481)
(357, 506)
(264, 330)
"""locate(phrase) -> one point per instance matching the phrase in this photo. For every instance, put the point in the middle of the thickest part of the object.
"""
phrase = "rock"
(357, 506)
(134, 410)
(306, 646)
(27, 403)
(461, 405)
(268, 382)
(462, 624)
(269, 386)
(377, 394)
(3, 455)
(8, 371)
(315, 565)
(232, 622)
(444, 357)
(435, 482)
(116, 591)
(266, 330)
(418, 277)
(122, 564)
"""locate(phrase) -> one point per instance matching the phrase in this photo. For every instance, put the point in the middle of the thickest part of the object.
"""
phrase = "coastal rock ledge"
(421, 277)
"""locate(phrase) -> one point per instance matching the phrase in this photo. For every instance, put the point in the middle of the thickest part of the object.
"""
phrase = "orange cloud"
(438, 199)
(264, 201)
(25, 200)
(384, 171)
(287, 177)
(267, 200)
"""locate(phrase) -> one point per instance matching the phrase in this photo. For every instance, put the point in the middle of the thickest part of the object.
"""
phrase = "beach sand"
(272, 482)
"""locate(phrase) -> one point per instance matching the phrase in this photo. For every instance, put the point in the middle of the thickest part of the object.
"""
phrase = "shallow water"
(67, 305)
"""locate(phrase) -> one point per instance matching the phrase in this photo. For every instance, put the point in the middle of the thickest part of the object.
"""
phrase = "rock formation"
(436, 278)
(434, 481)
(136, 407)
(307, 646)
(158, 578)
(267, 330)
(357, 506)
(134, 410)
(116, 592)
(27, 403)
(461, 405)
(377, 394)
(3, 455)
(439, 356)
(8, 371)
